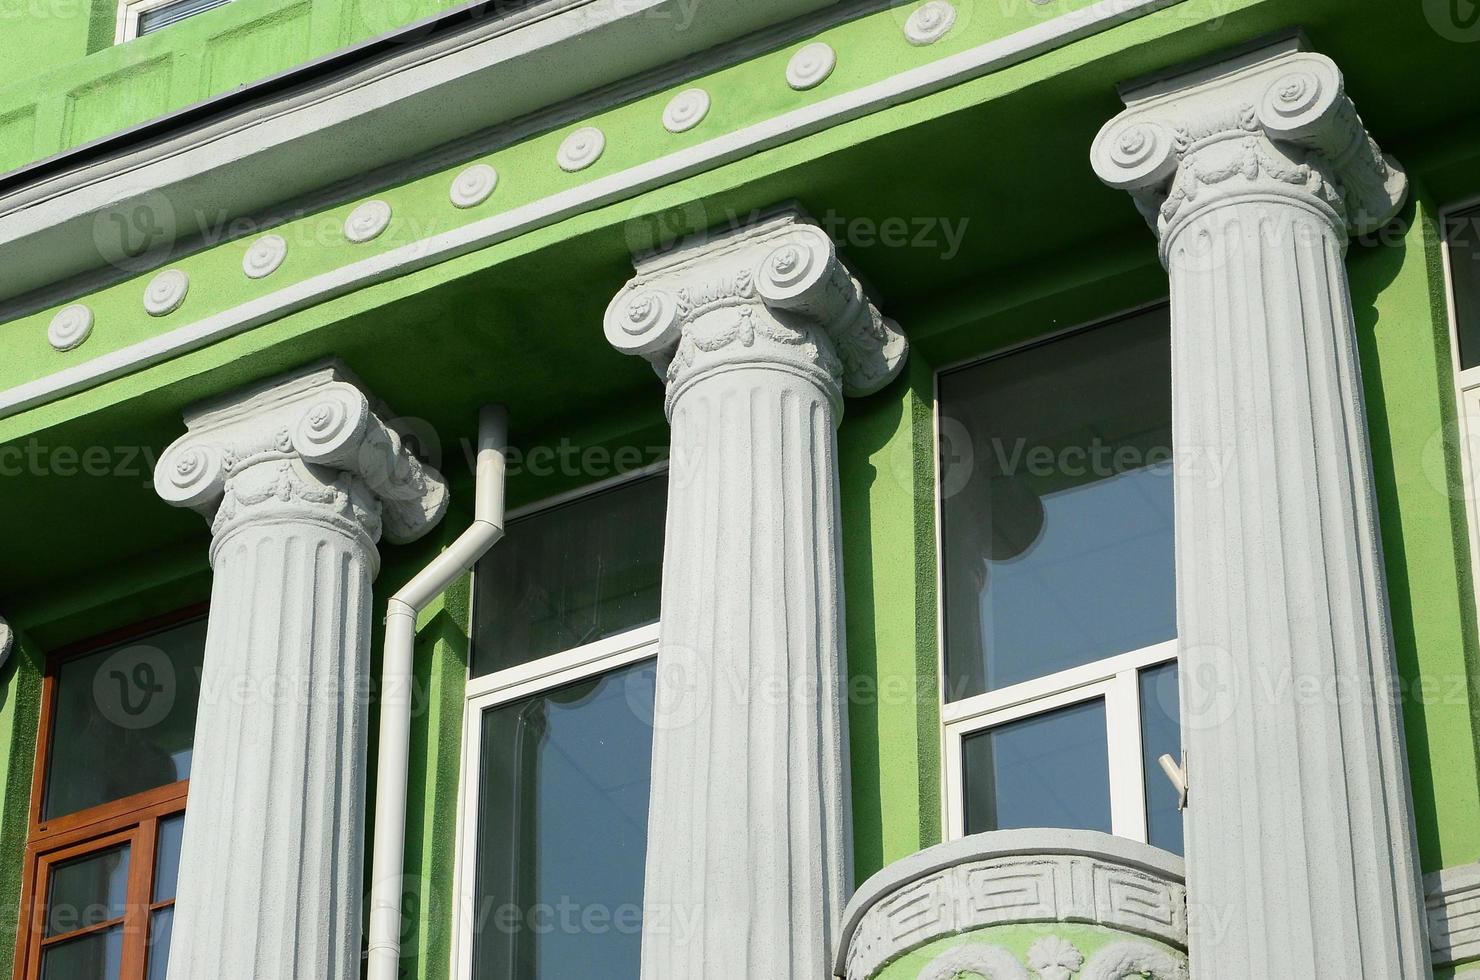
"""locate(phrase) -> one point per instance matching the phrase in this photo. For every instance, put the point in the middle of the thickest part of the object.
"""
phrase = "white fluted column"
(759, 333)
(1301, 859)
(298, 477)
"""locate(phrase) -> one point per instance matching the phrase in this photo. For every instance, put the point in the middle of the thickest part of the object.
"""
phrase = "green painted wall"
(887, 465)
(504, 321)
(67, 83)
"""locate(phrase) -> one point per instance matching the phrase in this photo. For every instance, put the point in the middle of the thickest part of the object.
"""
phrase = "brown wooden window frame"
(132, 820)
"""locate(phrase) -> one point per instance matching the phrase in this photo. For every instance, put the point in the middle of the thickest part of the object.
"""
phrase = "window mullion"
(140, 891)
(1127, 778)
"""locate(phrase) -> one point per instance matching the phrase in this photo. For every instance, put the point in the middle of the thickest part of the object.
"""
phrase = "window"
(113, 764)
(1057, 569)
(558, 739)
(139, 17)
(1462, 264)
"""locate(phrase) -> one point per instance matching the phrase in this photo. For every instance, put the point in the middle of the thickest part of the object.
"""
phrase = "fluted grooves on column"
(278, 772)
(1282, 615)
(750, 606)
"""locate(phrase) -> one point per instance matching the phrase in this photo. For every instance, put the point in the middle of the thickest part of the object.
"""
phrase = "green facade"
(515, 316)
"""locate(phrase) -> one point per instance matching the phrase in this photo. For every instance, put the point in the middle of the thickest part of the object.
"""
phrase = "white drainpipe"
(387, 863)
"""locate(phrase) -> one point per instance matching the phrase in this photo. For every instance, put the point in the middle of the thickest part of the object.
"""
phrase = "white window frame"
(545, 674)
(1466, 391)
(1115, 679)
(129, 13)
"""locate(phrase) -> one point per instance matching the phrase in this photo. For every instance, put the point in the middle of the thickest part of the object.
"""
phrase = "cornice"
(593, 188)
(1274, 124)
(774, 293)
(306, 446)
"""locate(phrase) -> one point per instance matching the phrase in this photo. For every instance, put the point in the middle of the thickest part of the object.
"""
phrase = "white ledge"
(915, 82)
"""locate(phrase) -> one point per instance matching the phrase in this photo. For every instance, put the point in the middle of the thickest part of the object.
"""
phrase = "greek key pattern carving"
(1013, 890)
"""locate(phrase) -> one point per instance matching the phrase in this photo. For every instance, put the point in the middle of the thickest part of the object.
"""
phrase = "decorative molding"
(7, 642)
(367, 222)
(1054, 958)
(930, 22)
(686, 110)
(774, 293)
(166, 292)
(70, 327)
(1275, 123)
(811, 66)
(474, 186)
(975, 959)
(265, 256)
(1020, 46)
(306, 444)
(581, 149)
(1121, 961)
(1452, 907)
(1010, 878)
(1254, 171)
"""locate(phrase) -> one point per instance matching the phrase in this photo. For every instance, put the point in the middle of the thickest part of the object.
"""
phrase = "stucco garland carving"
(1054, 958)
(1127, 960)
(305, 447)
(975, 959)
(775, 293)
(1275, 124)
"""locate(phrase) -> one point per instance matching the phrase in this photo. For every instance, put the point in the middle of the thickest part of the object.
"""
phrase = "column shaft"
(298, 477)
(1301, 858)
(759, 332)
(1292, 730)
(271, 869)
(748, 837)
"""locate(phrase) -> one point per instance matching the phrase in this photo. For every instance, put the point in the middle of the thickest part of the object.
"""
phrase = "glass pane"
(1057, 505)
(1464, 260)
(98, 956)
(87, 891)
(1051, 770)
(162, 17)
(125, 719)
(1161, 734)
(161, 922)
(562, 830)
(167, 857)
(571, 575)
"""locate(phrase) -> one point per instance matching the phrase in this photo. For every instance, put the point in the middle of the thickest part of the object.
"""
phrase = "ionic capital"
(772, 294)
(1275, 125)
(305, 446)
